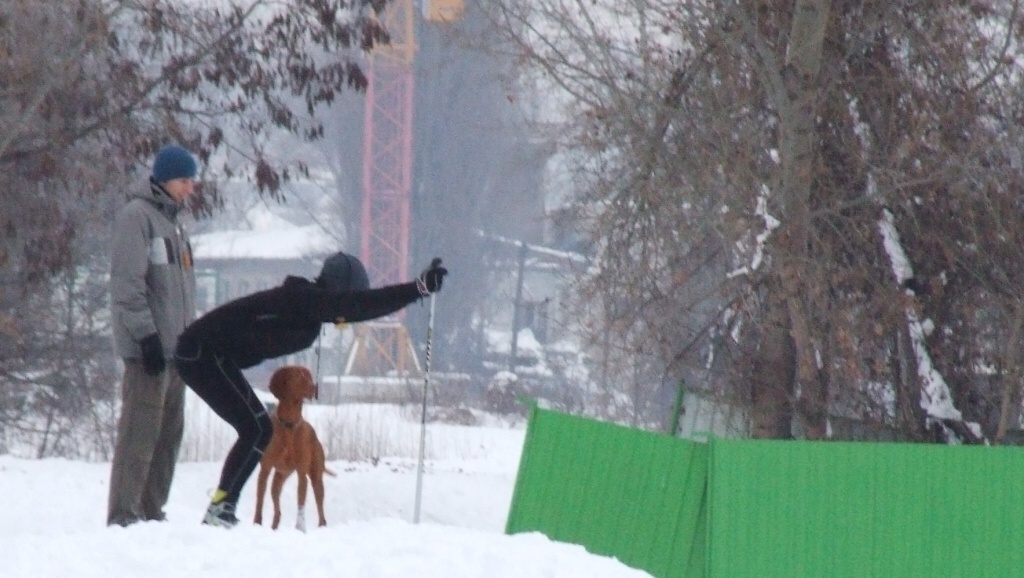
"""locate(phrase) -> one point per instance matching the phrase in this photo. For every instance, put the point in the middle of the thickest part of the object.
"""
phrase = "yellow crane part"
(443, 10)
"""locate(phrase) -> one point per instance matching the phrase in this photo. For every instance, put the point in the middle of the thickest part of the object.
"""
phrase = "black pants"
(219, 382)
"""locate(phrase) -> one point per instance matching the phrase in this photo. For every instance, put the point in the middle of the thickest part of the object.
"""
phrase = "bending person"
(214, 349)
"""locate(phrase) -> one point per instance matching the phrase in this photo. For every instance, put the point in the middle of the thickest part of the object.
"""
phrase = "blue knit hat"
(343, 272)
(173, 162)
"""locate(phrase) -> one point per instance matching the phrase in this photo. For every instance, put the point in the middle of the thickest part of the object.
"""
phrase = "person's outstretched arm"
(356, 306)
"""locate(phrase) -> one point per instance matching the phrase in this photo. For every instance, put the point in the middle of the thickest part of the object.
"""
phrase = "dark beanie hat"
(173, 162)
(343, 272)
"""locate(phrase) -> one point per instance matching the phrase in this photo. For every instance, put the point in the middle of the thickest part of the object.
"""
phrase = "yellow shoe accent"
(218, 496)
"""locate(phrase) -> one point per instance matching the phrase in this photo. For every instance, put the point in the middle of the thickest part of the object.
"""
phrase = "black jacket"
(287, 318)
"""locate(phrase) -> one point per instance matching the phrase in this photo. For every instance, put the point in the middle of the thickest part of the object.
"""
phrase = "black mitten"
(431, 278)
(153, 361)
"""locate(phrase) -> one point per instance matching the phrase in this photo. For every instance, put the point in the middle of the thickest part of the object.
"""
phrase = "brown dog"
(293, 448)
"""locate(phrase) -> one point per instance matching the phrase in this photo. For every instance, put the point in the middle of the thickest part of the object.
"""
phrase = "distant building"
(230, 264)
(527, 315)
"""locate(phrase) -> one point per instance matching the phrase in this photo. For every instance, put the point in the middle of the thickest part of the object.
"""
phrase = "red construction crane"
(383, 347)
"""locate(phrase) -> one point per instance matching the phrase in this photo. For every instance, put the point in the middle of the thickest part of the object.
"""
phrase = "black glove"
(431, 278)
(152, 355)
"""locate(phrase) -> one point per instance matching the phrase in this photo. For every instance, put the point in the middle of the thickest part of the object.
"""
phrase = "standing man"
(152, 291)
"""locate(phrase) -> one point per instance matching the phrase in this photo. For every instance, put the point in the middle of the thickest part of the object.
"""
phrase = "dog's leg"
(300, 522)
(275, 496)
(317, 479)
(261, 488)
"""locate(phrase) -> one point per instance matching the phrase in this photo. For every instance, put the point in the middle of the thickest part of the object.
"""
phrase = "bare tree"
(89, 90)
(789, 141)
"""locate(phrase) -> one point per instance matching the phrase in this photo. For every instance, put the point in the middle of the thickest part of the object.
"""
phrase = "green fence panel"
(622, 492)
(792, 509)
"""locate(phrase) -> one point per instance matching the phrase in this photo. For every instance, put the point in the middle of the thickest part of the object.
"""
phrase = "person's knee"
(265, 431)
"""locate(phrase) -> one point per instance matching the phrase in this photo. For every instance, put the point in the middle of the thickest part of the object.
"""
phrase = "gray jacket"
(152, 281)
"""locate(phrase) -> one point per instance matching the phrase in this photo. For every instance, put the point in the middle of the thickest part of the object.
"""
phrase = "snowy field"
(53, 511)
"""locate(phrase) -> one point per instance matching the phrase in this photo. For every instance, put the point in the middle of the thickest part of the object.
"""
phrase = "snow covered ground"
(52, 515)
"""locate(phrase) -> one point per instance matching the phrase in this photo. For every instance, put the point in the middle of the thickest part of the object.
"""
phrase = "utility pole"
(517, 306)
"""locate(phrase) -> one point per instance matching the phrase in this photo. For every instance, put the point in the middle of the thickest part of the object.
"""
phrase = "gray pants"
(149, 435)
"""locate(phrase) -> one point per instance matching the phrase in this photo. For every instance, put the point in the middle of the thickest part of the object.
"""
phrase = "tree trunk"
(798, 151)
(772, 374)
(910, 417)
(1009, 405)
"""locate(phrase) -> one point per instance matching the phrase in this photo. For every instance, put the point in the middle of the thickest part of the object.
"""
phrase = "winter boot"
(221, 514)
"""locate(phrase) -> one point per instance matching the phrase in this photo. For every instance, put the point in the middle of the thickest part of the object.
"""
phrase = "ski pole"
(423, 415)
(316, 384)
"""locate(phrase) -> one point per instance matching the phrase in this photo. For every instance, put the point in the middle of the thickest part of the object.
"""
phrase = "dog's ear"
(279, 383)
(309, 389)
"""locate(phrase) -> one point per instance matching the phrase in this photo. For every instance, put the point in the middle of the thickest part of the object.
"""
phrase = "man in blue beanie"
(152, 294)
(173, 162)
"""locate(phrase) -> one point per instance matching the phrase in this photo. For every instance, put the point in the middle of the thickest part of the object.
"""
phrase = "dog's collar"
(288, 424)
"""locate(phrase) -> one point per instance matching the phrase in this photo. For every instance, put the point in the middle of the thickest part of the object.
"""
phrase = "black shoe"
(221, 514)
(123, 520)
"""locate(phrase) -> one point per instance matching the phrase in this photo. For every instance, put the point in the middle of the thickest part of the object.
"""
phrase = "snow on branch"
(937, 400)
(770, 224)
